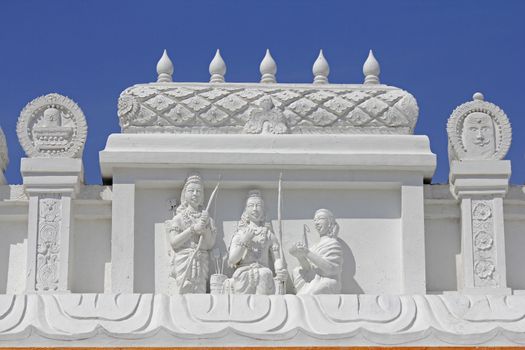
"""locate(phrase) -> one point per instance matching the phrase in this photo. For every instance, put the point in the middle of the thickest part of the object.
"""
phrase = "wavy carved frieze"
(388, 320)
(240, 108)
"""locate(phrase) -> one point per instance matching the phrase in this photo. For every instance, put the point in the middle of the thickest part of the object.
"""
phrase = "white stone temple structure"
(262, 214)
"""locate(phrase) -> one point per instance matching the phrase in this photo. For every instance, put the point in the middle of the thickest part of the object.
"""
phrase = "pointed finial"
(371, 69)
(478, 96)
(217, 68)
(321, 69)
(164, 69)
(268, 68)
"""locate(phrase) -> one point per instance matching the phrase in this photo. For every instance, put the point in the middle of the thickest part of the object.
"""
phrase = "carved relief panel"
(484, 247)
(48, 242)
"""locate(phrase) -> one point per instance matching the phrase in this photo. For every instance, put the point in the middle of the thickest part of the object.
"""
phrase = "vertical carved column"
(52, 131)
(481, 264)
(479, 136)
(48, 243)
(50, 184)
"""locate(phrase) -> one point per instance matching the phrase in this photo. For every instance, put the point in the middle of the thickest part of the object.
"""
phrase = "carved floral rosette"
(484, 249)
(226, 108)
(64, 138)
(48, 243)
(502, 129)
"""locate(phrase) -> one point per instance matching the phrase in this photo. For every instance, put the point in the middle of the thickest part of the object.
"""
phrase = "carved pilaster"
(50, 184)
(480, 187)
(48, 243)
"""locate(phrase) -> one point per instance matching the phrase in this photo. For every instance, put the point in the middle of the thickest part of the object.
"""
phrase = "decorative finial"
(321, 69)
(164, 69)
(268, 68)
(217, 68)
(478, 96)
(371, 69)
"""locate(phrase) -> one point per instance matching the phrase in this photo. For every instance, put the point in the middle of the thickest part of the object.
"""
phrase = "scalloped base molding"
(253, 320)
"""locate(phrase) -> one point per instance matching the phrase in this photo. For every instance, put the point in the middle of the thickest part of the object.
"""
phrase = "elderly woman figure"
(321, 266)
(251, 247)
(191, 225)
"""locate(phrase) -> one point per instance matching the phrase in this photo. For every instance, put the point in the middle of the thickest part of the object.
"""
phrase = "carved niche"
(478, 130)
(52, 126)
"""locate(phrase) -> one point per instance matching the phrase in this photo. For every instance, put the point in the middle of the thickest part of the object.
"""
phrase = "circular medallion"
(478, 130)
(481, 212)
(48, 276)
(48, 233)
(52, 126)
(483, 240)
(484, 269)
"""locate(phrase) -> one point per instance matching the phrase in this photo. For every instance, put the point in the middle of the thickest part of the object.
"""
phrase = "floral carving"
(481, 211)
(48, 244)
(485, 274)
(203, 108)
(54, 126)
(484, 269)
(483, 240)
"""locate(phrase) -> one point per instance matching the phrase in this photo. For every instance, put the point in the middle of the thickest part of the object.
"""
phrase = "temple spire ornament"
(217, 68)
(268, 68)
(321, 69)
(478, 96)
(164, 69)
(371, 69)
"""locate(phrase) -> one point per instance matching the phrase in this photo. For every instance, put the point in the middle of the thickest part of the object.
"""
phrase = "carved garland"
(502, 127)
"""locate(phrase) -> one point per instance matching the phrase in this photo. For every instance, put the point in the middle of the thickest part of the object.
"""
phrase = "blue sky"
(440, 51)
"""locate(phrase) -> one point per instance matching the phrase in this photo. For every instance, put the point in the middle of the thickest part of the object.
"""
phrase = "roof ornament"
(217, 68)
(52, 126)
(371, 69)
(321, 69)
(164, 69)
(268, 68)
(478, 130)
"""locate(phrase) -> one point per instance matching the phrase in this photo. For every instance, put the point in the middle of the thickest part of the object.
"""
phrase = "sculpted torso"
(252, 246)
(321, 266)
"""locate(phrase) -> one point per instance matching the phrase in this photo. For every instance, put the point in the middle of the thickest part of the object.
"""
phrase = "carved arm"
(326, 267)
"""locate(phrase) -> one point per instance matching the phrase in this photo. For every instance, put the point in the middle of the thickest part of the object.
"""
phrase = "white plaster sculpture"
(250, 249)
(321, 266)
(52, 126)
(321, 69)
(4, 154)
(479, 136)
(268, 68)
(217, 68)
(164, 69)
(191, 234)
(371, 69)
(268, 119)
(210, 108)
(478, 130)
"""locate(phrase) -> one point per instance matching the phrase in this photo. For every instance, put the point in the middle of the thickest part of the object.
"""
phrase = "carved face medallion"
(478, 130)
(478, 135)
(52, 126)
